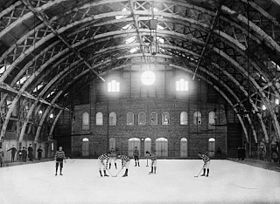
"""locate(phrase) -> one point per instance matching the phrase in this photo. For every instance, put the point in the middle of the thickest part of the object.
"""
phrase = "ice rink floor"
(229, 182)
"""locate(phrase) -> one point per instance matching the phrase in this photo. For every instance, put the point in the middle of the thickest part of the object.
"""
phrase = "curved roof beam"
(118, 47)
(44, 18)
(204, 11)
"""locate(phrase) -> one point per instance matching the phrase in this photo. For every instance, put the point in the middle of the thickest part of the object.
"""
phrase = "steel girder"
(178, 48)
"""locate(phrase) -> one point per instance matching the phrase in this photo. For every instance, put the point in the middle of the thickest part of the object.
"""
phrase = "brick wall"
(161, 98)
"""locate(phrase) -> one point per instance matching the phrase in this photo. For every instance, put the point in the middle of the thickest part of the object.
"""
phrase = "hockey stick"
(118, 172)
(199, 172)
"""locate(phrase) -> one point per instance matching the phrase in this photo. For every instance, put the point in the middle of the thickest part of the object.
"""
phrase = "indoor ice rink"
(190, 86)
(228, 182)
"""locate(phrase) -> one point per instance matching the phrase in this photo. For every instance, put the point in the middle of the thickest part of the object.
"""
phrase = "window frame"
(96, 119)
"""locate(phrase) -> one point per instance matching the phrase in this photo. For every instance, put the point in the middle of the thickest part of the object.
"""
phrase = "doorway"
(184, 147)
(162, 147)
(85, 147)
(132, 143)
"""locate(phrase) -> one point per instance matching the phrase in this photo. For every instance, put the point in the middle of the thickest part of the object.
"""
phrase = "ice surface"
(229, 182)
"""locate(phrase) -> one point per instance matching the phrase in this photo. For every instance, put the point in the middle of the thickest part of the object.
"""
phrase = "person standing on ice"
(153, 159)
(103, 163)
(206, 164)
(13, 150)
(125, 163)
(113, 158)
(30, 152)
(39, 151)
(59, 157)
(136, 156)
(24, 154)
(1, 157)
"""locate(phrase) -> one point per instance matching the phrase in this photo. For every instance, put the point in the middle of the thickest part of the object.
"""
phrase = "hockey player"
(153, 159)
(1, 157)
(136, 156)
(13, 150)
(113, 158)
(206, 164)
(125, 163)
(59, 157)
(103, 163)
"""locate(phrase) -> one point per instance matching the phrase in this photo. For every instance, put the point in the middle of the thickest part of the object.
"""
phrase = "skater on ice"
(136, 156)
(206, 164)
(13, 150)
(59, 158)
(125, 163)
(153, 159)
(103, 163)
(113, 158)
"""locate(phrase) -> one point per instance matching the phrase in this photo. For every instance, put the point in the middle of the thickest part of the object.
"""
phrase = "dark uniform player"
(103, 163)
(136, 156)
(206, 161)
(13, 150)
(1, 157)
(153, 159)
(39, 151)
(59, 157)
(30, 152)
(24, 154)
(125, 163)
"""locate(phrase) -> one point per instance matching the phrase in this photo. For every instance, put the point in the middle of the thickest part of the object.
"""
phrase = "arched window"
(99, 118)
(184, 147)
(141, 118)
(132, 143)
(85, 147)
(162, 147)
(147, 145)
(165, 118)
(112, 144)
(130, 118)
(182, 85)
(211, 118)
(183, 118)
(197, 118)
(154, 118)
(85, 121)
(85, 139)
(211, 147)
(112, 119)
(113, 86)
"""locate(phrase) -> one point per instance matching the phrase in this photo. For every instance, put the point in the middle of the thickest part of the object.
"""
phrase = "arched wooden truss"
(47, 46)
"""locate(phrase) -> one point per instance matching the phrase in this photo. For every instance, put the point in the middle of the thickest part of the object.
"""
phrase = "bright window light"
(133, 50)
(130, 40)
(263, 107)
(113, 86)
(159, 27)
(38, 87)
(123, 10)
(182, 85)
(161, 40)
(127, 27)
(50, 94)
(51, 115)
(22, 80)
(277, 101)
(148, 78)
(4, 68)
